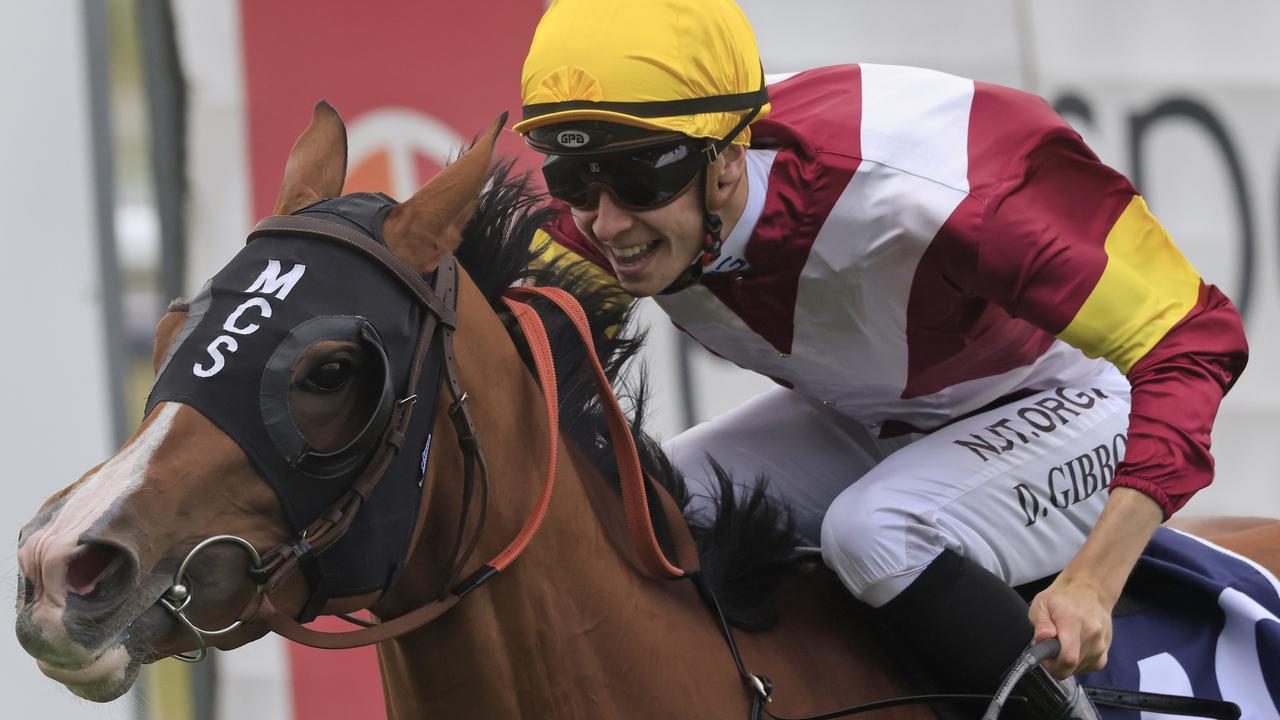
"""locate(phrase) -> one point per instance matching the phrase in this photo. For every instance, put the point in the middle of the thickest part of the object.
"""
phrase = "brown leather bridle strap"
(315, 227)
(474, 464)
(287, 627)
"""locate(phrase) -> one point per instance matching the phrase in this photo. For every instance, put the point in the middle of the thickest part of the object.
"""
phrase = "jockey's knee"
(876, 548)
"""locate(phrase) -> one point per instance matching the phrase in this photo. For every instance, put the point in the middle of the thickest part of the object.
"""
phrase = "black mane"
(751, 544)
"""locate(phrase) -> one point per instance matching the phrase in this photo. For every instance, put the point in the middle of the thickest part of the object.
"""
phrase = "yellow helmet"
(685, 66)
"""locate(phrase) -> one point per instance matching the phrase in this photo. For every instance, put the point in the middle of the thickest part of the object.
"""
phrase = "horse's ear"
(429, 224)
(166, 332)
(317, 164)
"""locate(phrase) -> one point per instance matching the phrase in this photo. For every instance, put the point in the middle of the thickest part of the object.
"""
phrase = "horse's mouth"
(106, 678)
(106, 674)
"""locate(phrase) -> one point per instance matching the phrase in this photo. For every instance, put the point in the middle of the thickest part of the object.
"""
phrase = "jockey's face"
(650, 249)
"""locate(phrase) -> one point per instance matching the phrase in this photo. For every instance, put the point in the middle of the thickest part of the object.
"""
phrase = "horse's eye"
(329, 376)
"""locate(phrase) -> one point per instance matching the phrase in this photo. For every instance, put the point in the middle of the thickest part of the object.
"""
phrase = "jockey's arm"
(1069, 245)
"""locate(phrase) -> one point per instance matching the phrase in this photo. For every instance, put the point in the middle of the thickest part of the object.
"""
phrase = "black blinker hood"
(233, 362)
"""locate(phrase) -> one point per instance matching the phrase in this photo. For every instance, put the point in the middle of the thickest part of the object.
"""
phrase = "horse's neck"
(571, 629)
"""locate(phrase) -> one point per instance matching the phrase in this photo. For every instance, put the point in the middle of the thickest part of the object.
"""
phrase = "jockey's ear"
(429, 224)
(317, 164)
(724, 176)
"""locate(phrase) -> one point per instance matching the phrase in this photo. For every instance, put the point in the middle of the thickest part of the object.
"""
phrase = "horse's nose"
(92, 575)
(100, 572)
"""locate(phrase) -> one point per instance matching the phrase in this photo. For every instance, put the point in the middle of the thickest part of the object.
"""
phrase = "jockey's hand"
(1076, 608)
(1078, 615)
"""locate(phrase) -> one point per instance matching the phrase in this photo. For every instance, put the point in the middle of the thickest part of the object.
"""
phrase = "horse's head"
(275, 386)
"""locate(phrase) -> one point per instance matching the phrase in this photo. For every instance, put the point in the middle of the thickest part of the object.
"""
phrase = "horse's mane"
(750, 546)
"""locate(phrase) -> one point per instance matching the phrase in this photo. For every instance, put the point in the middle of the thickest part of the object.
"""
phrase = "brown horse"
(573, 629)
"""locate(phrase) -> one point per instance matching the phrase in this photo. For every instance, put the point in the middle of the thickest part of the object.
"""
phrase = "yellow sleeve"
(1145, 289)
(547, 251)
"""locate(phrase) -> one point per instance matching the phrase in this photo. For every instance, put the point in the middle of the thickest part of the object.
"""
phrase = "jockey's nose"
(610, 218)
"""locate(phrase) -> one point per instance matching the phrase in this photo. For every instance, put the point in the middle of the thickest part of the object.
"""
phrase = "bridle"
(270, 570)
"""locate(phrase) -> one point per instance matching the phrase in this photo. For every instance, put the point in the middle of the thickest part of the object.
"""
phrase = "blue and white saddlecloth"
(1208, 625)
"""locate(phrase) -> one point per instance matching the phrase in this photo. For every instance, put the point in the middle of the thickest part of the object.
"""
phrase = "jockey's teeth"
(631, 251)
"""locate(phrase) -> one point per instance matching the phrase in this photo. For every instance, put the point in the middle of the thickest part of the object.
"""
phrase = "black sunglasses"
(641, 179)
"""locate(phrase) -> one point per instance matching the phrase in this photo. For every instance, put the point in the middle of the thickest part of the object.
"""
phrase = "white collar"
(733, 253)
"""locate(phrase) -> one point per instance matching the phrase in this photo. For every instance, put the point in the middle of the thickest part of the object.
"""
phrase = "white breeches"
(1015, 489)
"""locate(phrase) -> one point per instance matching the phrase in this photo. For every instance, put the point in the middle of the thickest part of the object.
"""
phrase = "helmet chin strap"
(712, 242)
(711, 224)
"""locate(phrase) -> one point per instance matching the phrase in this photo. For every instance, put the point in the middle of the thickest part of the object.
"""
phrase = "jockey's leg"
(969, 626)
(937, 534)
(807, 453)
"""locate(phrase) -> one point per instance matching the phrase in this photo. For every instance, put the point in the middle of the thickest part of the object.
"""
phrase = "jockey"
(993, 364)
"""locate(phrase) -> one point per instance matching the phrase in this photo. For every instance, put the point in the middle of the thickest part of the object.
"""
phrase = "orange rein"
(634, 494)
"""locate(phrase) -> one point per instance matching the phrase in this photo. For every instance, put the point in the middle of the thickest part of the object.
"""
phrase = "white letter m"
(270, 282)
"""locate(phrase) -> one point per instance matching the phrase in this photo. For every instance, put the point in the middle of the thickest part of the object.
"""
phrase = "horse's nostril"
(93, 568)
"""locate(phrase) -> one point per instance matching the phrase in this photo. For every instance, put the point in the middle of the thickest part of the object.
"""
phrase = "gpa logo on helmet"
(573, 138)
